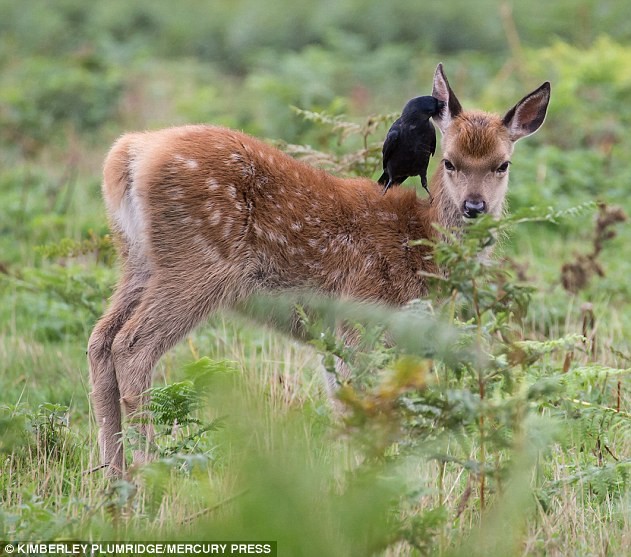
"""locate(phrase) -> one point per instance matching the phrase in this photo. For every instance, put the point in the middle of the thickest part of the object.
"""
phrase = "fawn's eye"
(502, 167)
(448, 166)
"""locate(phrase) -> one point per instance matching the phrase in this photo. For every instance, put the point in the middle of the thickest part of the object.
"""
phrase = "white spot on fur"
(296, 226)
(276, 238)
(191, 164)
(232, 190)
(212, 184)
(385, 215)
(215, 218)
(294, 250)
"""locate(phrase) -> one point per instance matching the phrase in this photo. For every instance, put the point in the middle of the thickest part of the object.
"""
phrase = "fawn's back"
(196, 202)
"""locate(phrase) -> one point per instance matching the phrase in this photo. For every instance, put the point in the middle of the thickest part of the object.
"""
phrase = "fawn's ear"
(442, 91)
(527, 115)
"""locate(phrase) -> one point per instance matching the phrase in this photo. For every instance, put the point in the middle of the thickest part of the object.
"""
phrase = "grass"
(283, 412)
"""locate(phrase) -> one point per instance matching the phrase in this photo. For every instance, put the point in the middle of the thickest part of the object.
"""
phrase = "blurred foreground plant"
(457, 381)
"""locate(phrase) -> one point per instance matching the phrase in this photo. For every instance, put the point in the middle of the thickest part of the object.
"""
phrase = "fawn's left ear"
(443, 92)
(526, 117)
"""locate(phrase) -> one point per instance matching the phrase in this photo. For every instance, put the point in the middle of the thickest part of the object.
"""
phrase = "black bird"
(410, 142)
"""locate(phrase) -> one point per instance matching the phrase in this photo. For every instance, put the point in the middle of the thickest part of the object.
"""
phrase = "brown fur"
(479, 135)
(205, 216)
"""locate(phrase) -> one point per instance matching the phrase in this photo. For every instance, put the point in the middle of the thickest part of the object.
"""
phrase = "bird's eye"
(502, 167)
(448, 166)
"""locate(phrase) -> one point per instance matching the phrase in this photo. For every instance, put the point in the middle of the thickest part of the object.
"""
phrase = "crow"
(410, 142)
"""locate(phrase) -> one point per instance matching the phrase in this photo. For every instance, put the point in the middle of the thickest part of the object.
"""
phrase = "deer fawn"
(205, 216)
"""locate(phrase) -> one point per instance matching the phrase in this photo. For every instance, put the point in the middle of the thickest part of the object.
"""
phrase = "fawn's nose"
(472, 208)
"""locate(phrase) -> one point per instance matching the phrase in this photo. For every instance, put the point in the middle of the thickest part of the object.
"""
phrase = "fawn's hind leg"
(170, 308)
(105, 388)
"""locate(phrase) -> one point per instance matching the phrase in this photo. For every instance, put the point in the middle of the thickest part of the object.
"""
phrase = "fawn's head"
(477, 147)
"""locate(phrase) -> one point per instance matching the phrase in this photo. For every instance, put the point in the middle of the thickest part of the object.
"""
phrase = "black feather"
(410, 143)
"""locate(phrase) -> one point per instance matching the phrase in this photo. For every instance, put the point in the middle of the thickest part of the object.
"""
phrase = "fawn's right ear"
(442, 91)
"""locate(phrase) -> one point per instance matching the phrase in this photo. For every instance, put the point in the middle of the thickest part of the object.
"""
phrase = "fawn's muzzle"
(472, 208)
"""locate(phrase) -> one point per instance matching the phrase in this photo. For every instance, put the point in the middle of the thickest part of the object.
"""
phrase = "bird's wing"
(390, 144)
(432, 143)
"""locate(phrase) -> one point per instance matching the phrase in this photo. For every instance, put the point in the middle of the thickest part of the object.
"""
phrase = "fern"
(101, 247)
(601, 481)
(174, 403)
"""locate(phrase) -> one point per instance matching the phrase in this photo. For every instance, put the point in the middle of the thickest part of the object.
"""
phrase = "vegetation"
(491, 419)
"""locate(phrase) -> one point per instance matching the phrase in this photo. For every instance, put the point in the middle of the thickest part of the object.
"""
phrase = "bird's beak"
(440, 105)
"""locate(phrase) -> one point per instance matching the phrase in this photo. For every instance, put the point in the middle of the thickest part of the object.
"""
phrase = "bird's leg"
(424, 183)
